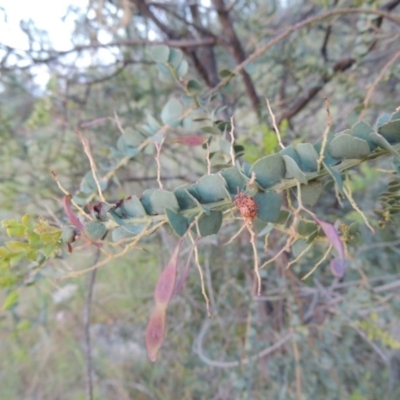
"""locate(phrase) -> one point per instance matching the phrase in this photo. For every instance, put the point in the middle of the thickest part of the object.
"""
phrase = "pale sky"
(47, 15)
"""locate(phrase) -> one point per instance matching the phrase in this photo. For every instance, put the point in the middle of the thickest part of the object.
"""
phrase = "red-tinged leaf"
(191, 140)
(338, 267)
(155, 332)
(332, 236)
(166, 282)
(70, 214)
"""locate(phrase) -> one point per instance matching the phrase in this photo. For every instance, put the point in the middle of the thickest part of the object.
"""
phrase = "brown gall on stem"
(247, 206)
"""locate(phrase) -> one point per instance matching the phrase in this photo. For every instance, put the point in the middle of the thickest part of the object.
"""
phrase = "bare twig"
(93, 167)
(376, 81)
(325, 135)
(232, 364)
(278, 134)
(86, 324)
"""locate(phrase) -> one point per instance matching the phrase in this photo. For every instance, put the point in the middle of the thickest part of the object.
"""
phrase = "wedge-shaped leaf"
(308, 157)
(383, 119)
(211, 188)
(17, 247)
(155, 201)
(178, 222)
(160, 53)
(155, 332)
(234, 180)
(194, 87)
(11, 300)
(291, 152)
(269, 206)
(133, 208)
(311, 193)
(165, 74)
(185, 199)
(391, 131)
(210, 224)
(328, 159)
(363, 131)
(345, 147)
(306, 228)
(88, 184)
(171, 112)
(336, 178)
(134, 138)
(126, 149)
(293, 170)
(380, 141)
(126, 231)
(182, 69)
(175, 57)
(95, 230)
(395, 116)
(269, 170)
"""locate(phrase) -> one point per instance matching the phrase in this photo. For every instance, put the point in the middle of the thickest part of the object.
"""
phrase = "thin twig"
(278, 133)
(231, 133)
(232, 364)
(158, 161)
(86, 324)
(86, 148)
(376, 81)
(325, 135)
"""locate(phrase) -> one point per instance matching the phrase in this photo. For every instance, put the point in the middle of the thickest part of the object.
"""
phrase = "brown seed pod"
(247, 206)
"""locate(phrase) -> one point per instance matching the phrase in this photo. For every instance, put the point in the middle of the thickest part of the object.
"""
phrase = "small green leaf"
(234, 179)
(160, 53)
(95, 230)
(269, 206)
(134, 138)
(175, 57)
(182, 69)
(292, 153)
(177, 221)
(293, 170)
(165, 74)
(194, 87)
(126, 231)
(363, 131)
(345, 147)
(155, 201)
(11, 300)
(391, 131)
(211, 188)
(308, 157)
(311, 193)
(336, 178)
(133, 208)
(225, 73)
(269, 170)
(383, 119)
(185, 199)
(171, 112)
(17, 247)
(210, 224)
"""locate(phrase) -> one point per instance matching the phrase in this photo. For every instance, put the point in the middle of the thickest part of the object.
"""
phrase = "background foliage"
(151, 88)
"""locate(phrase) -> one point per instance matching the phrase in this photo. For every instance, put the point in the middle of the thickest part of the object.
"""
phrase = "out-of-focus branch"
(237, 50)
